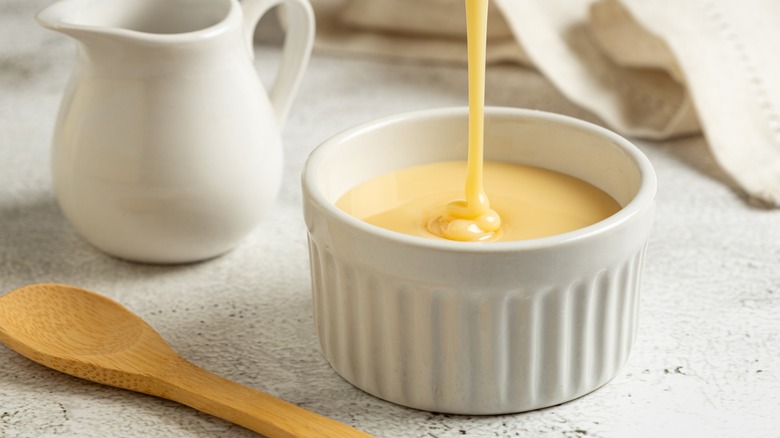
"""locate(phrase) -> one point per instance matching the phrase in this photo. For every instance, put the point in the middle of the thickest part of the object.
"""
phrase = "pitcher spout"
(63, 16)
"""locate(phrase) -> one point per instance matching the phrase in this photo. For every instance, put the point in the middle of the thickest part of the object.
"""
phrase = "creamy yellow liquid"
(532, 202)
(525, 202)
(472, 219)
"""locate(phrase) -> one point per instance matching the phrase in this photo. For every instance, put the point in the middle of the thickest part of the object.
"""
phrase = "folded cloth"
(651, 70)
(433, 30)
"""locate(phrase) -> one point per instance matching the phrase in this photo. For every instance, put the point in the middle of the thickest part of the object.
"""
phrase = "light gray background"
(706, 360)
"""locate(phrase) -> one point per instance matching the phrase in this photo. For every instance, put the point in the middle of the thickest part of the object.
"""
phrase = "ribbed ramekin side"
(574, 338)
(444, 350)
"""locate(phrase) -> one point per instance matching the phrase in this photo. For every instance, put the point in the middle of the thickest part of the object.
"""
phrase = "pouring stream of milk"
(472, 219)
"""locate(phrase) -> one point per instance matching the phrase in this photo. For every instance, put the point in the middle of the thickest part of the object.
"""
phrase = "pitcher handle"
(298, 43)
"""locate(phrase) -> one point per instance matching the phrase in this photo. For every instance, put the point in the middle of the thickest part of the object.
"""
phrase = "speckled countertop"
(706, 360)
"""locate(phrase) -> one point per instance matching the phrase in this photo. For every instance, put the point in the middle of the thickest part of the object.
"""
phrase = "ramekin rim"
(644, 197)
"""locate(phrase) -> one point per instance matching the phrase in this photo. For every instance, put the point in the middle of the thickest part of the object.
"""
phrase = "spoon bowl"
(70, 324)
(87, 335)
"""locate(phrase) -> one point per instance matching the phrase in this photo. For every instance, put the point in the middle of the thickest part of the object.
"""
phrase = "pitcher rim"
(64, 25)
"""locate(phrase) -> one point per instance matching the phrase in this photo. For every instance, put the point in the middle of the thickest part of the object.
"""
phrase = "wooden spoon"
(87, 335)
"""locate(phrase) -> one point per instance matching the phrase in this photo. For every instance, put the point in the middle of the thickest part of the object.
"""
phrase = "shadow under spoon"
(87, 335)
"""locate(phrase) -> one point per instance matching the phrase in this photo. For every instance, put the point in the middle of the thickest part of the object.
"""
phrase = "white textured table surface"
(706, 360)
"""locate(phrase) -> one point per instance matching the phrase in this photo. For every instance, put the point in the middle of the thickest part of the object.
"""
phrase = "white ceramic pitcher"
(167, 148)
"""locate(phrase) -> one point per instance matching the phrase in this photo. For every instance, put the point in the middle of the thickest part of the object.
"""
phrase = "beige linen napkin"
(649, 69)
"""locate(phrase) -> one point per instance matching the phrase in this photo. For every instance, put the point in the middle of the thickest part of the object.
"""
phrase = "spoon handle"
(255, 410)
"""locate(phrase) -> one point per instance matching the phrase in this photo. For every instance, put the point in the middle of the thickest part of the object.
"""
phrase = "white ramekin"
(477, 328)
